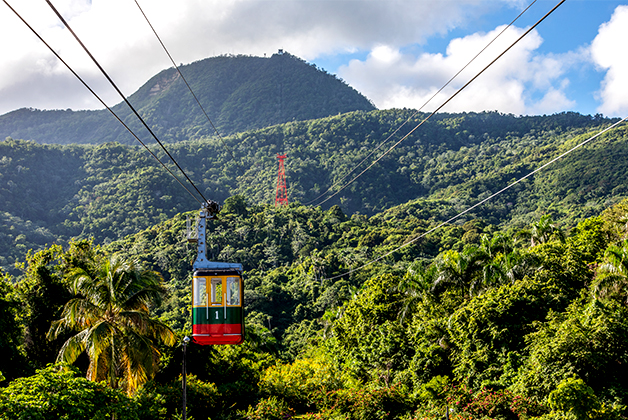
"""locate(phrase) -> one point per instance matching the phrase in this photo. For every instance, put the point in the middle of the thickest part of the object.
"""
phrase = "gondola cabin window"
(233, 290)
(200, 291)
(217, 291)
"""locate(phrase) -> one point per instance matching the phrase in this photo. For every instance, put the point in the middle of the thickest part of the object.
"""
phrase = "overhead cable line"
(99, 99)
(125, 99)
(446, 102)
(190, 89)
(482, 201)
(423, 106)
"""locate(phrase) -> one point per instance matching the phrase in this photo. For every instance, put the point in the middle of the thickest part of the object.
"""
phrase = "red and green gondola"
(217, 296)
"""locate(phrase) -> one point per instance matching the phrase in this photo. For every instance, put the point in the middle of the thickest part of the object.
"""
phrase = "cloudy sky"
(397, 53)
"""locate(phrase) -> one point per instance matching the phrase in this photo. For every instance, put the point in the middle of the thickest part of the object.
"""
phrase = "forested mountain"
(356, 309)
(50, 192)
(238, 93)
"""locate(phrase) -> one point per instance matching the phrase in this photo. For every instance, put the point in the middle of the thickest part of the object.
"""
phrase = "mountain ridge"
(238, 93)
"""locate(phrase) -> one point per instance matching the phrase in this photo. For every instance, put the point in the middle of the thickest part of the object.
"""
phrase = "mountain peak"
(237, 92)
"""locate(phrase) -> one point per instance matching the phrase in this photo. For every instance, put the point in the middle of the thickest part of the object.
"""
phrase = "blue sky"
(575, 25)
(396, 52)
(572, 26)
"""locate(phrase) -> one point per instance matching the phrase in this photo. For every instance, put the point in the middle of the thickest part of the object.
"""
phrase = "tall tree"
(612, 278)
(543, 231)
(462, 271)
(510, 267)
(13, 362)
(44, 294)
(111, 313)
(416, 286)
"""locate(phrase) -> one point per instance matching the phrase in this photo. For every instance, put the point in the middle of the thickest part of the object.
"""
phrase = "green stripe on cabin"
(216, 315)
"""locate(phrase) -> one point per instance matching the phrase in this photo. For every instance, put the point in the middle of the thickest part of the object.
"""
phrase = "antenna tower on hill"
(281, 196)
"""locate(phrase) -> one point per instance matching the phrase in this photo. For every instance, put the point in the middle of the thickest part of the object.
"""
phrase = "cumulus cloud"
(521, 82)
(607, 52)
(118, 36)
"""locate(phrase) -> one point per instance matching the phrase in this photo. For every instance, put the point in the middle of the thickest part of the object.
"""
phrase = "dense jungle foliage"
(238, 93)
(50, 193)
(360, 305)
(473, 320)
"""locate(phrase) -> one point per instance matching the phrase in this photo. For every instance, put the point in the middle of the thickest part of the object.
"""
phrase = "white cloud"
(520, 82)
(553, 101)
(608, 52)
(118, 36)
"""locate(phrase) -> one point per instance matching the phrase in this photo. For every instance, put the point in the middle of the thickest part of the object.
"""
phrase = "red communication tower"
(281, 196)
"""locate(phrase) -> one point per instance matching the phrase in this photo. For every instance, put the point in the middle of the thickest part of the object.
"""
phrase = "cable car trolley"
(217, 292)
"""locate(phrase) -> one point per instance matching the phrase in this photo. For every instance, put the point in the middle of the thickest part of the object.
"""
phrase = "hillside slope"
(112, 190)
(238, 93)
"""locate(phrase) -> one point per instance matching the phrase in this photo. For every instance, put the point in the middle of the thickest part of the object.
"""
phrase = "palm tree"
(111, 312)
(415, 287)
(543, 231)
(460, 270)
(517, 264)
(499, 243)
(612, 279)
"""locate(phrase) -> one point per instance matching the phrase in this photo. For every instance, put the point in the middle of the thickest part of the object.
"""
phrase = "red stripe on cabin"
(216, 333)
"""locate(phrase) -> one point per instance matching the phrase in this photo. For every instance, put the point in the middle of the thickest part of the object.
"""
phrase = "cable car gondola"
(217, 295)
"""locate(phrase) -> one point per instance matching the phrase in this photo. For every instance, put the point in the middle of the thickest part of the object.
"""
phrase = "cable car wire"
(189, 88)
(423, 106)
(484, 200)
(99, 99)
(124, 98)
(446, 102)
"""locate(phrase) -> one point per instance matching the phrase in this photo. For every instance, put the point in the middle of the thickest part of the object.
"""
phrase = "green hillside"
(108, 191)
(356, 309)
(238, 93)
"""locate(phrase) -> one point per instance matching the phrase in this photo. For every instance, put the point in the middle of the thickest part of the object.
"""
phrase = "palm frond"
(73, 347)
(112, 312)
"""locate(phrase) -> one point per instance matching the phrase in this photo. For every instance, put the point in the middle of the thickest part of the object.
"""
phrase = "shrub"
(57, 393)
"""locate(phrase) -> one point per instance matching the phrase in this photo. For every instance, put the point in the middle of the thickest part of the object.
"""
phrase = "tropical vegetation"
(474, 320)
(52, 193)
(387, 301)
(111, 312)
